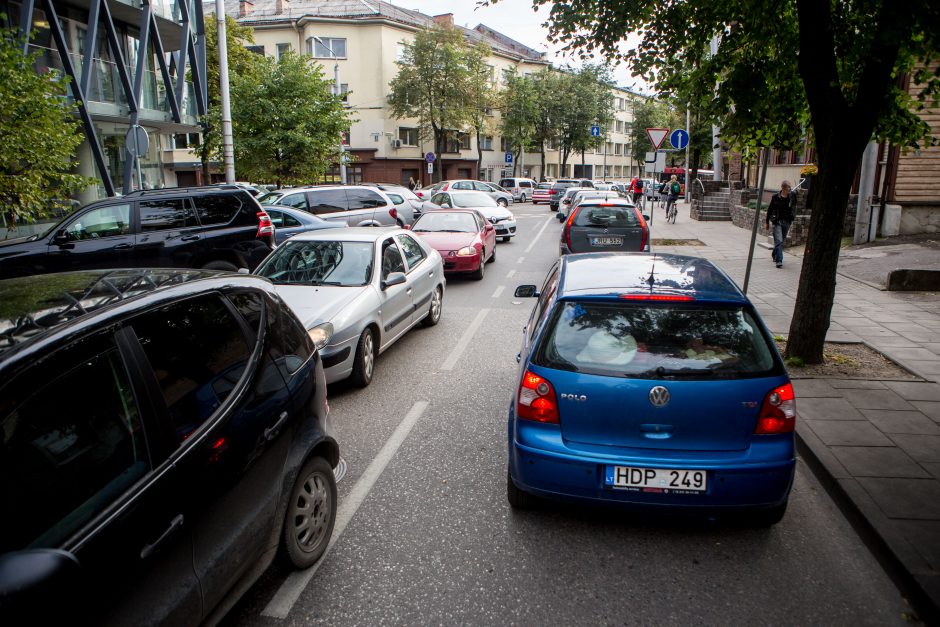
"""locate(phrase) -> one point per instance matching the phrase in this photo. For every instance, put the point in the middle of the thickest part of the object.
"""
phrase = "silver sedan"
(496, 213)
(357, 291)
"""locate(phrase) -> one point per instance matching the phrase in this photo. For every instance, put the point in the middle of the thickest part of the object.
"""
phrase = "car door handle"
(408, 291)
(175, 526)
(431, 274)
(518, 357)
(123, 246)
(189, 238)
(271, 432)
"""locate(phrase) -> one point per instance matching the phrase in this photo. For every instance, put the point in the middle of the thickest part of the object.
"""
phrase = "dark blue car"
(650, 381)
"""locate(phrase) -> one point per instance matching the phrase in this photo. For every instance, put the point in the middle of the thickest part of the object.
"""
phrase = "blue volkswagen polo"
(650, 381)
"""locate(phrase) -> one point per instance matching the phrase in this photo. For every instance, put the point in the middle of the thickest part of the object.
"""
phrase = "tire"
(434, 311)
(481, 271)
(310, 515)
(516, 497)
(767, 517)
(221, 265)
(523, 198)
(364, 364)
(502, 202)
(507, 239)
(553, 207)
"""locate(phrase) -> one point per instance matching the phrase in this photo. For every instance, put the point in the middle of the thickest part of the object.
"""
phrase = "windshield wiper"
(315, 283)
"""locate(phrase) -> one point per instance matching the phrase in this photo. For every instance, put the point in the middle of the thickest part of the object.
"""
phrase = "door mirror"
(646, 217)
(490, 227)
(526, 291)
(395, 278)
(61, 237)
(30, 579)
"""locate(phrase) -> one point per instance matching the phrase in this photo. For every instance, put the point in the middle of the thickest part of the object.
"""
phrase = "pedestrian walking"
(411, 183)
(673, 189)
(663, 191)
(780, 213)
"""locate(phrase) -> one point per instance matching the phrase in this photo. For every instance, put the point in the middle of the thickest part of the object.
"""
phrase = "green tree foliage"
(520, 109)
(286, 122)
(550, 107)
(586, 100)
(781, 68)
(482, 96)
(38, 136)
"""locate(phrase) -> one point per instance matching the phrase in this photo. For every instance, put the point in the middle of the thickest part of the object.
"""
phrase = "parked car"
(415, 206)
(165, 434)
(357, 291)
(599, 224)
(502, 197)
(427, 191)
(650, 382)
(216, 227)
(501, 193)
(560, 186)
(288, 222)
(465, 240)
(500, 217)
(542, 193)
(522, 189)
(579, 195)
(356, 205)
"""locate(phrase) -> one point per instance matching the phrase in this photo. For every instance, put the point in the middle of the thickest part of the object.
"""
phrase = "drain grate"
(340, 471)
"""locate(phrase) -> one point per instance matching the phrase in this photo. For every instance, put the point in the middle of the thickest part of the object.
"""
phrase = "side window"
(297, 201)
(364, 199)
(480, 187)
(198, 353)
(71, 441)
(391, 259)
(163, 215)
(102, 222)
(277, 218)
(289, 221)
(412, 249)
(289, 344)
(216, 208)
(443, 200)
(462, 185)
(527, 184)
(395, 198)
(249, 306)
(328, 201)
(545, 296)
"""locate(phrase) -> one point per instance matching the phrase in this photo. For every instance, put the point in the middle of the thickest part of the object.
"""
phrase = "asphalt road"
(425, 536)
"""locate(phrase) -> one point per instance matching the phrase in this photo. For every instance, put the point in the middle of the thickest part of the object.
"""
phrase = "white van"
(521, 189)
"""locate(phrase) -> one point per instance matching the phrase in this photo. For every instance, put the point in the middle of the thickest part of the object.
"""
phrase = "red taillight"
(537, 399)
(657, 297)
(393, 212)
(778, 412)
(645, 227)
(553, 191)
(444, 188)
(568, 229)
(265, 226)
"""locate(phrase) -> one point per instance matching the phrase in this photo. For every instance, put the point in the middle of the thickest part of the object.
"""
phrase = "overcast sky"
(516, 19)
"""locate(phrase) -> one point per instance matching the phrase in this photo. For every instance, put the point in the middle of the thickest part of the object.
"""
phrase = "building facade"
(365, 39)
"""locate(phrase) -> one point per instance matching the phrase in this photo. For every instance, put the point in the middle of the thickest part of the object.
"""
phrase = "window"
(408, 136)
(463, 185)
(395, 198)
(198, 354)
(328, 201)
(364, 199)
(618, 149)
(486, 142)
(290, 346)
(391, 259)
(457, 141)
(184, 141)
(256, 49)
(72, 443)
(504, 145)
(326, 47)
(491, 74)
(297, 262)
(400, 52)
(163, 215)
(297, 201)
(216, 208)
(281, 220)
(412, 249)
(282, 49)
(482, 187)
(464, 139)
(344, 92)
(102, 222)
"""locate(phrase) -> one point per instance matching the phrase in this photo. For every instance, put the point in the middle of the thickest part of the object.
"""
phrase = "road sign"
(595, 131)
(508, 157)
(657, 135)
(430, 168)
(137, 141)
(655, 161)
(429, 157)
(679, 138)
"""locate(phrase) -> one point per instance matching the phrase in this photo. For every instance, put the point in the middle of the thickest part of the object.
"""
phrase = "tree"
(781, 68)
(432, 84)
(588, 101)
(38, 136)
(481, 97)
(519, 117)
(286, 122)
(242, 64)
(550, 104)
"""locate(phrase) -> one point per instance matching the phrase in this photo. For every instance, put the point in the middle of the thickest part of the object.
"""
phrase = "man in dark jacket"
(780, 213)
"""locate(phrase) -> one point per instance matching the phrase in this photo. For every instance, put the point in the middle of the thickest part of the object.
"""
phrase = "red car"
(463, 237)
(542, 193)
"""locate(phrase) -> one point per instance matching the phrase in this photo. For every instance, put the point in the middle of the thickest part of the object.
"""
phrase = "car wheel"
(503, 202)
(221, 265)
(434, 312)
(523, 199)
(364, 364)
(767, 517)
(516, 497)
(478, 275)
(553, 207)
(507, 239)
(310, 515)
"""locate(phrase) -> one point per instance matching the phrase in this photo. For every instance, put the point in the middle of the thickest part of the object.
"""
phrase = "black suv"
(216, 227)
(163, 434)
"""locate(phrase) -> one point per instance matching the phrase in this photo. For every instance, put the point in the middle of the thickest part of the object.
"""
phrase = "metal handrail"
(700, 184)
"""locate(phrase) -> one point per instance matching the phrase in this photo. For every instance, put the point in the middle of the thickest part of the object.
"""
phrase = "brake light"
(553, 191)
(393, 212)
(778, 412)
(657, 297)
(265, 226)
(568, 225)
(444, 188)
(646, 229)
(537, 399)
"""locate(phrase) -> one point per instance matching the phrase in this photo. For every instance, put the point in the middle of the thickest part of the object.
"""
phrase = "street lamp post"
(338, 90)
(228, 149)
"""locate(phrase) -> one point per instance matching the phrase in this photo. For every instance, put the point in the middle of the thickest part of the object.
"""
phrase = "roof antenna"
(652, 277)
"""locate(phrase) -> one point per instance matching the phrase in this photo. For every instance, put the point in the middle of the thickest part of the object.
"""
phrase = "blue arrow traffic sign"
(679, 138)
(508, 157)
(595, 131)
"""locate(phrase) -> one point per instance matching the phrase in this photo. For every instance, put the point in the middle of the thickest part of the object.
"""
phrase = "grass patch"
(677, 242)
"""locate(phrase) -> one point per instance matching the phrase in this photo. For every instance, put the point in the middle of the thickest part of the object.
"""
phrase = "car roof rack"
(177, 190)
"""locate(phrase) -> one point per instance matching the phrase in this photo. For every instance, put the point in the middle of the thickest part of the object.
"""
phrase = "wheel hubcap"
(312, 508)
(368, 355)
(436, 305)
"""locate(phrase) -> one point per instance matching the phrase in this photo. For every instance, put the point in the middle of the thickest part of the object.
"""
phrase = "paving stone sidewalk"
(875, 443)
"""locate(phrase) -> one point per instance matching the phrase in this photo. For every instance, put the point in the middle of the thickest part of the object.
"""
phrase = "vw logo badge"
(659, 396)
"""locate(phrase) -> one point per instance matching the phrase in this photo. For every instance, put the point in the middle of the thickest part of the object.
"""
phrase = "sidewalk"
(875, 444)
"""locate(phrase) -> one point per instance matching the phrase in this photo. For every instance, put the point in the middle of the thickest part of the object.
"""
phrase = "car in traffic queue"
(650, 382)
(289, 222)
(501, 196)
(415, 206)
(165, 435)
(541, 193)
(465, 240)
(357, 291)
(558, 188)
(354, 205)
(499, 216)
(522, 189)
(605, 225)
(579, 195)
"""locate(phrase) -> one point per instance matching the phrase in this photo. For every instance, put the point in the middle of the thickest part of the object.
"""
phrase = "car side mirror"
(61, 237)
(646, 217)
(394, 278)
(526, 291)
(30, 579)
(490, 227)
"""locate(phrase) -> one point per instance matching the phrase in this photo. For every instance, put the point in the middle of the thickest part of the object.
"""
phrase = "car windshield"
(445, 221)
(478, 199)
(649, 341)
(544, 186)
(320, 262)
(606, 216)
(270, 198)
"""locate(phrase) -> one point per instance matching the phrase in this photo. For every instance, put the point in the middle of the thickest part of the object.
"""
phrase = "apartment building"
(365, 39)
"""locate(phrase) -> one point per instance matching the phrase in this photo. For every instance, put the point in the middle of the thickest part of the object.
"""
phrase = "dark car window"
(289, 344)
(71, 443)
(525, 184)
(652, 341)
(282, 220)
(606, 216)
(328, 201)
(198, 353)
(320, 262)
(163, 215)
(364, 199)
(101, 222)
(441, 199)
(412, 249)
(391, 259)
(545, 297)
(506, 182)
(216, 208)
(297, 201)
(395, 198)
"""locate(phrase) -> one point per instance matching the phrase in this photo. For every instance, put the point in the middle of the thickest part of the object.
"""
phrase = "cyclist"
(673, 189)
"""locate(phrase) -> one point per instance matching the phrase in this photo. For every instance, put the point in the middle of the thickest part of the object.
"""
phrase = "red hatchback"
(542, 193)
(463, 237)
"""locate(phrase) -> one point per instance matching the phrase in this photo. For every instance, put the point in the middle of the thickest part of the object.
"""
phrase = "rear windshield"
(594, 215)
(544, 186)
(646, 341)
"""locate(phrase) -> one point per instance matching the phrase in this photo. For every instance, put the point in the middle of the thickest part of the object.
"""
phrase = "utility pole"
(338, 90)
(716, 147)
(228, 149)
(688, 165)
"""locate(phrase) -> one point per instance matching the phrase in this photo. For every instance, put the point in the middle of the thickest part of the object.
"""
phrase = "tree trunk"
(479, 155)
(542, 171)
(696, 158)
(438, 159)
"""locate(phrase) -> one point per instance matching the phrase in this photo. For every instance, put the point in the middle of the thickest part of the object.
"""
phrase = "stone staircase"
(714, 206)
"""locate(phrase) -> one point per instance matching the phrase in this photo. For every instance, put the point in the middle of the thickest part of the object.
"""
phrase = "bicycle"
(671, 212)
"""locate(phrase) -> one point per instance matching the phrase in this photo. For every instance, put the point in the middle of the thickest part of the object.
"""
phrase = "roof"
(606, 274)
(351, 234)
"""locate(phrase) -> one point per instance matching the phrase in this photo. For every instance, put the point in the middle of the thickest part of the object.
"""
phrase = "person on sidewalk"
(673, 188)
(636, 187)
(780, 212)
